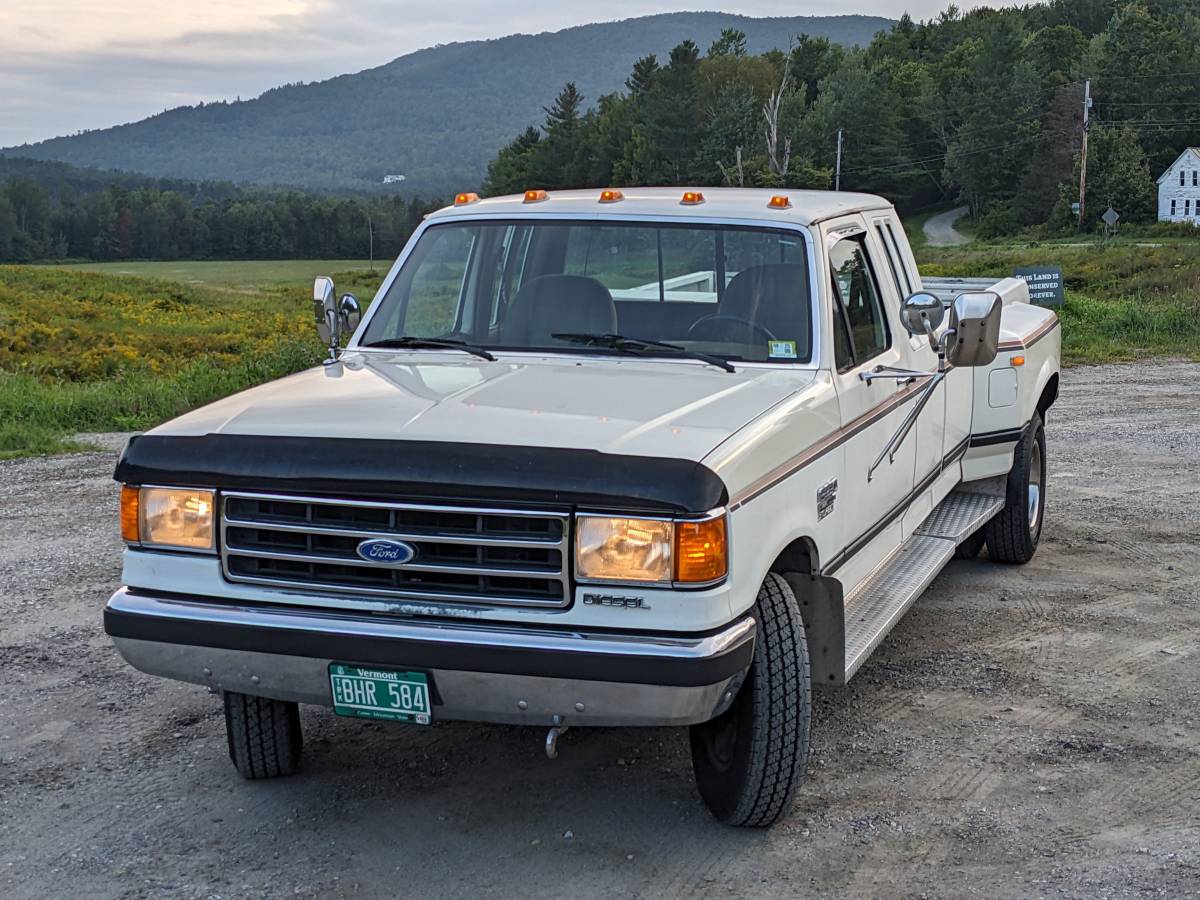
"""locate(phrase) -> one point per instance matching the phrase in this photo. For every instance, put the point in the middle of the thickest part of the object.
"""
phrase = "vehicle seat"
(773, 296)
(555, 303)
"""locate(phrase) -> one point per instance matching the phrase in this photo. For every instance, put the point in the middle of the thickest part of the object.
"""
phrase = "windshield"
(737, 293)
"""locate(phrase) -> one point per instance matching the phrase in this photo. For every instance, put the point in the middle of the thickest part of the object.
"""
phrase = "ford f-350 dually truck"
(639, 457)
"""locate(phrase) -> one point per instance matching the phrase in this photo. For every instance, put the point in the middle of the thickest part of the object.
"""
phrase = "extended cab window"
(737, 292)
(857, 299)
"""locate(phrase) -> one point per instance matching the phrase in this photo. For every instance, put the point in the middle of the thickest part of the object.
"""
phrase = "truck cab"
(624, 458)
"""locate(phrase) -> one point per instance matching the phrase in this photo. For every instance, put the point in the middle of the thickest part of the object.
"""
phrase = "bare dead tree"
(771, 111)
(737, 176)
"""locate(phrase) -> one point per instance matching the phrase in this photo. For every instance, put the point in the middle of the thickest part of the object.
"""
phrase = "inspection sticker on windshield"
(781, 349)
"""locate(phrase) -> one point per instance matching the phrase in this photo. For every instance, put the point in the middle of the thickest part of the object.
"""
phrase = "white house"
(1179, 189)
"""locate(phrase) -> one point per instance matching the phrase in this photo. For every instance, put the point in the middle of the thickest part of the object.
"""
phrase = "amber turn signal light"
(701, 551)
(536, 196)
(129, 514)
(611, 196)
(464, 199)
(1017, 360)
(691, 198)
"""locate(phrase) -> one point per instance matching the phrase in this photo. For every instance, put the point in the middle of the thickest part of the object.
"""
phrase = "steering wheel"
(724, 320)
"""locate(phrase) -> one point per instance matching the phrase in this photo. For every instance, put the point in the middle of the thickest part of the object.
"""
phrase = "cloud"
(106, 64)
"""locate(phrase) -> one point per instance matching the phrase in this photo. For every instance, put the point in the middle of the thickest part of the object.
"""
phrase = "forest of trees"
(983, 107)
(55, 211)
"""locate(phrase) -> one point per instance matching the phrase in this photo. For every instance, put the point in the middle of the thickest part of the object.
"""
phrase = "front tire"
(749, 760)
(1013, 535)
(264, 735)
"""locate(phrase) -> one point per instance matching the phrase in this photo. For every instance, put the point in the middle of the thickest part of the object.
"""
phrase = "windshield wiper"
(639, 346)
(410, 342)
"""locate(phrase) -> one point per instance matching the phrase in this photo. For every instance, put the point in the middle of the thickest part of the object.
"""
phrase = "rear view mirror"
(974, 329)
(922, 314)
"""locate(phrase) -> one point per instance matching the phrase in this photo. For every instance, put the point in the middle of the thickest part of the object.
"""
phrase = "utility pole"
(1087, 107)
(837, 178)
(371, 239)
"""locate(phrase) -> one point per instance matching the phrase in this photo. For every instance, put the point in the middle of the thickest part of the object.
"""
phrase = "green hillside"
(435, 116)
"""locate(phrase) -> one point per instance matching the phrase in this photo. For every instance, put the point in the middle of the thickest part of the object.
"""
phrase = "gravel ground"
(1023, 732)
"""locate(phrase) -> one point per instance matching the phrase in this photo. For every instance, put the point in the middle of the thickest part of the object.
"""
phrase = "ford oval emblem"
(385, 552)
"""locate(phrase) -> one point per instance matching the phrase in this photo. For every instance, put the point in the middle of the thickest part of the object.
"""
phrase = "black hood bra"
(426, 471)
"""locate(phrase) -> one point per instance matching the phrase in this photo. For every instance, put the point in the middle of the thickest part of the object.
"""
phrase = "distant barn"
(1179, 189)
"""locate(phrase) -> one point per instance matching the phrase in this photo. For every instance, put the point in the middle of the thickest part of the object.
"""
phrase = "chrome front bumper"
(478, 672)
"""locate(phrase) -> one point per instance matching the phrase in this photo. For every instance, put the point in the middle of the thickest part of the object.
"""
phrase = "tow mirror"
(324, 309)
(974, 335)
(922, 314)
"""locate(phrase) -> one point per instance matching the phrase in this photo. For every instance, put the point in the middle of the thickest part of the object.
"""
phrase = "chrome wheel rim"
(1035, 486)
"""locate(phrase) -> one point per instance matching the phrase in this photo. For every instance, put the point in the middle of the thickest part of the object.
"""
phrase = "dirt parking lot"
(1025, 731)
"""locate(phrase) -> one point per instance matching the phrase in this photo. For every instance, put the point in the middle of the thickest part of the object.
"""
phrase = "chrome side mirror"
(922, 314)
(334, 317)
(324, 309)
(349, 314)
(974, 335)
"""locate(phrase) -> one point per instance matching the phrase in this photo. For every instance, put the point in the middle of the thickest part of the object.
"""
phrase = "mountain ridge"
(436, 115)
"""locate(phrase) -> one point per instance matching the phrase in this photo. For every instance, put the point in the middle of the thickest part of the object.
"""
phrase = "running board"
(964, 511)
(876, 605)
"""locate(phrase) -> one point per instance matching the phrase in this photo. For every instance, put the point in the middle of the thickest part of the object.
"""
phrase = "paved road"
(939, 229)
(1027, 731)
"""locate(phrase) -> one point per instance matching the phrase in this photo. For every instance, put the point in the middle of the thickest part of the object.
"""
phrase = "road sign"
(1045, 284)
(1110, 217)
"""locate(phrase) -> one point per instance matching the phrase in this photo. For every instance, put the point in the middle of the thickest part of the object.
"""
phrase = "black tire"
(1013, 534)
(264, 735)
(749, 760)
(969, 549)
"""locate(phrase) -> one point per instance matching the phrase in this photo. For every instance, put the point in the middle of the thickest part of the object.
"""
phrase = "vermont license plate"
(380, 693)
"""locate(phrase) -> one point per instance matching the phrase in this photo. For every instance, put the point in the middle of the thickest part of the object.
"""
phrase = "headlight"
(180, 518)
(650, 550)
(623, 549)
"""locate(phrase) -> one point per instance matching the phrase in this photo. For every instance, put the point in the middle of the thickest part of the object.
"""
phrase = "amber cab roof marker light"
(536, 196)
(611, 195)
(779, 201)
(692, 198)
(465, 198)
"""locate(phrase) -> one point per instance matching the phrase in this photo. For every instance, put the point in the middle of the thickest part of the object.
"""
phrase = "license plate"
(380, 693)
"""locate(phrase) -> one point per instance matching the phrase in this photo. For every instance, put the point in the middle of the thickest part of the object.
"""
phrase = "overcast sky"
(68, 65)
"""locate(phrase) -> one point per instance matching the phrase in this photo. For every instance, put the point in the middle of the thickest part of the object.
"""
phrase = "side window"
(889, 251)
(843, 353)
(510, 270)
(858, 294)
(909, 285)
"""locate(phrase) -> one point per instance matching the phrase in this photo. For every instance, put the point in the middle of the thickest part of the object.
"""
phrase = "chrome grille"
(463, 554)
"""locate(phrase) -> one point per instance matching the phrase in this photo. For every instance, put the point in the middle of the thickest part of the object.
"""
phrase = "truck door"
(866, 334)
(929, 432)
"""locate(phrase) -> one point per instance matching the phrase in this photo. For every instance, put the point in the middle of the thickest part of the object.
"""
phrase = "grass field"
(82, 351)
(124, 346)
(1124, 300)
(238, 273)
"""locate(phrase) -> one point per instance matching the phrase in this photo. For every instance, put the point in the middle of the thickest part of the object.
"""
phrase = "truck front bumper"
(477, 672)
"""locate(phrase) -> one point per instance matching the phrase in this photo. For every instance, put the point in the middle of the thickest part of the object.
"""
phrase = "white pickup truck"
(649, 457)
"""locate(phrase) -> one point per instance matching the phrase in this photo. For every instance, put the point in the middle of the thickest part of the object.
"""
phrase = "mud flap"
(824, 612)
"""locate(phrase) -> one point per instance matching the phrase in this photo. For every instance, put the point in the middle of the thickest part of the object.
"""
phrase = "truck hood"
(675, 409)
